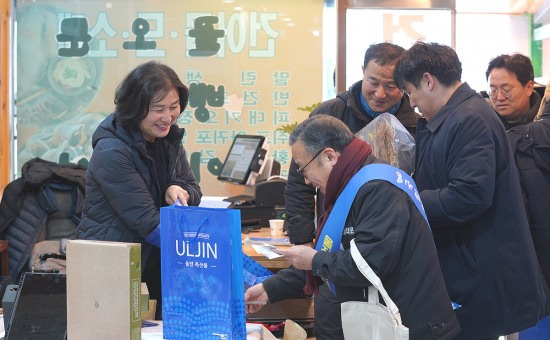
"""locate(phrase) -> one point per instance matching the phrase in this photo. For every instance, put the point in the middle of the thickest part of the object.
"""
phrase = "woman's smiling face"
(162, 114)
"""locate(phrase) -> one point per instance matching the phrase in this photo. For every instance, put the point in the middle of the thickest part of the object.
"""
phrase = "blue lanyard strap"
(331, 236)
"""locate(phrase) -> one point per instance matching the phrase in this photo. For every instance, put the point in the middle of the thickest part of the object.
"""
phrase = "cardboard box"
(103, 290)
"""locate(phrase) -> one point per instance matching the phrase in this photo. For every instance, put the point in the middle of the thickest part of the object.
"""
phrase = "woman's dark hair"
(144, 84)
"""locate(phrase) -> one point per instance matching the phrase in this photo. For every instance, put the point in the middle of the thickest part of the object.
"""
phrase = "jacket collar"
(462, 93)
(110, 127)
(352, 97)
(529, 116)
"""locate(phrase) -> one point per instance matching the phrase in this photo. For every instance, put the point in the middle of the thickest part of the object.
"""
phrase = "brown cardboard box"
(103, 290)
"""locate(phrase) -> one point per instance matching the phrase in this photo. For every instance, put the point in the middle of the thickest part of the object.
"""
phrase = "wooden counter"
(274, 264)
(295, 309)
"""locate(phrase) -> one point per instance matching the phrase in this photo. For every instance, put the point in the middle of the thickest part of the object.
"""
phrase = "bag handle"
(180, 223)
(367, 271)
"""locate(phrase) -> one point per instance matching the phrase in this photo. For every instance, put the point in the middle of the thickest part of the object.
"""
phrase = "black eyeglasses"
(301, 170)
(493, 93)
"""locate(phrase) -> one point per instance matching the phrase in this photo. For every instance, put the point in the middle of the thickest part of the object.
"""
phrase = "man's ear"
(530, 87)
(332, 155)
(429, 81)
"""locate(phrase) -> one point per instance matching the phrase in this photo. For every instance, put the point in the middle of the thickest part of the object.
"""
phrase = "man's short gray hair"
(322, 131)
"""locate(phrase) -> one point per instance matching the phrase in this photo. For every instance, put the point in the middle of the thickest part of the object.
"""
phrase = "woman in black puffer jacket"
(138, 165)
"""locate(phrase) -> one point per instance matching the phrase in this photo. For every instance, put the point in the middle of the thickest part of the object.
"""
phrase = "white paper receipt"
(266, 250)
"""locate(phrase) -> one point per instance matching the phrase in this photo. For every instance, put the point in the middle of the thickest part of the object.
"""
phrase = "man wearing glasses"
(512, 96)
(511, 83)
(385, 224)
(471, 193)
(375, 94)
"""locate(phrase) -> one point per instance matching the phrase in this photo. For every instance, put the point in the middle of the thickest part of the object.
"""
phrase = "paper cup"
(276, 227)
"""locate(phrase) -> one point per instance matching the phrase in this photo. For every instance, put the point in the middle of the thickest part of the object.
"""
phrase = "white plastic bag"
(371, 320)
(390, 141)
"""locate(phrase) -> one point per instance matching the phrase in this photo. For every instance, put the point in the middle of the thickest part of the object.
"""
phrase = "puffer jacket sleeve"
(124, 188)
(185, 178)
(10, 205)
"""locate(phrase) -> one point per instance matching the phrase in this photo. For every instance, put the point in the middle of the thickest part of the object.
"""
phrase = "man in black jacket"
(389, 231)
(511, 83)
(531, 146)
(364, 101)
(511, 80)
(470, 189)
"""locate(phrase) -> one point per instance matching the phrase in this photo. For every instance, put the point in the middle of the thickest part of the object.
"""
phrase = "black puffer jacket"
(534, 105)
(299, 197)
(394, 238)
(27, 203)
(123, 197)
(531, 146)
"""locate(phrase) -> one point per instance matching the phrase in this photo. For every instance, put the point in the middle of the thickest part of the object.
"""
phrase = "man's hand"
(175, 192)
(255, 298)
(309, 244)
(298, 256)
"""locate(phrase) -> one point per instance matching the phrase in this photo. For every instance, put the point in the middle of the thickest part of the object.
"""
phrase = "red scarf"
(351, 160)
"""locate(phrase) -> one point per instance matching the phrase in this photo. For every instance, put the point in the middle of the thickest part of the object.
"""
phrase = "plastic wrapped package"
(390, 141)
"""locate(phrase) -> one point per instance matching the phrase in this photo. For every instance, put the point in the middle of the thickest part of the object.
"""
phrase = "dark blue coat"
(123, 197)
(470, 189)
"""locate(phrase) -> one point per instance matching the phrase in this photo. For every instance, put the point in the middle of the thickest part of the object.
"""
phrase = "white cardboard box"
(103, 290)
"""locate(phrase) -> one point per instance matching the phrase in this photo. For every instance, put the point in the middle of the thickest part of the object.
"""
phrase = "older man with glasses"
(375, 94)
(511, 84)
(389, 230)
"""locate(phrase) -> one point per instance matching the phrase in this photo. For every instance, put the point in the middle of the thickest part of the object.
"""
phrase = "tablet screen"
(240, 159)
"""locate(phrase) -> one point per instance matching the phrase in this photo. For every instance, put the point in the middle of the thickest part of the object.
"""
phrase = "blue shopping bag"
(202, 273)
(254, 272)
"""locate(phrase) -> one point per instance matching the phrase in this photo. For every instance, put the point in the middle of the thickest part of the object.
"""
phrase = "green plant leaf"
(288, 128)
(309, 108)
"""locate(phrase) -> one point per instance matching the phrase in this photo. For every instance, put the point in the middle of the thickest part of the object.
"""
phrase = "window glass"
(249, 65)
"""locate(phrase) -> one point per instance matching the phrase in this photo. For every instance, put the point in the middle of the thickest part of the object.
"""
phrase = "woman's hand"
(255, 298)
(175, 192)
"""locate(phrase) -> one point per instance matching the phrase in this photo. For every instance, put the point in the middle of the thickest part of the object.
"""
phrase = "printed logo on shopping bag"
(196, 245)
(202, 274)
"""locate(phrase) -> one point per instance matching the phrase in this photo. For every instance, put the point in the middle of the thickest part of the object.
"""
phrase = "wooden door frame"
(343, 5)
(6, 122)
